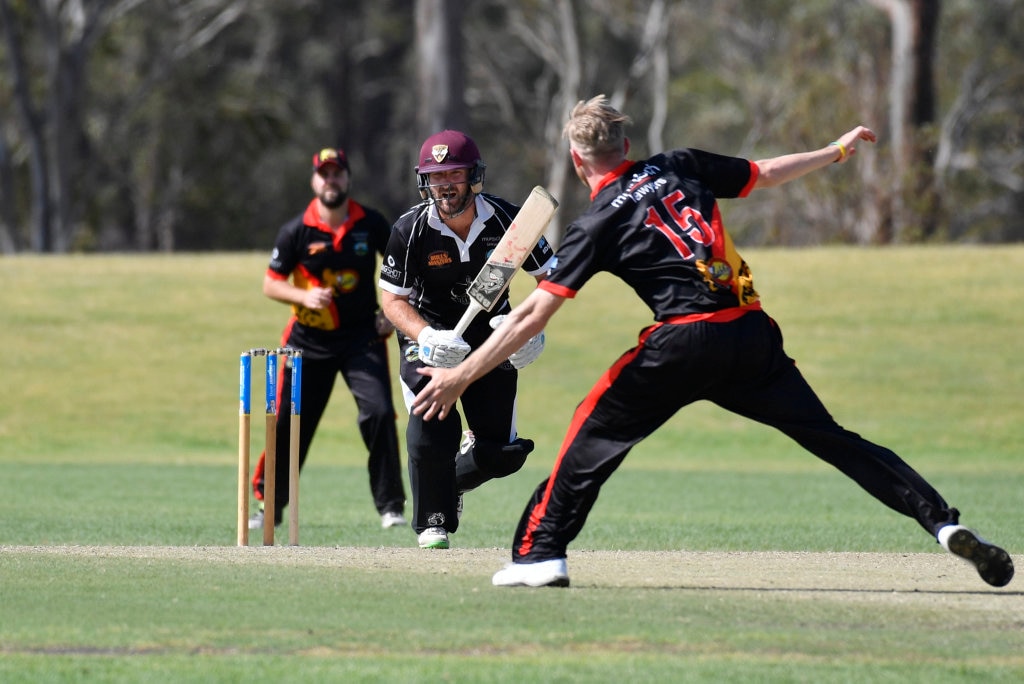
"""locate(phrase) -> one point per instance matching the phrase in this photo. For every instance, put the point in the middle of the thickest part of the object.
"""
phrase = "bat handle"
(467, 318)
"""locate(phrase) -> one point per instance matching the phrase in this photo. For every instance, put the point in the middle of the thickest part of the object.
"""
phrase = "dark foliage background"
(177, 125)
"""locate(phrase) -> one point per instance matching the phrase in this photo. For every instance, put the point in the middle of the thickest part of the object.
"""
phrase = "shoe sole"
(435, 545)
(993, 563)
(556, 579)
(554, 582)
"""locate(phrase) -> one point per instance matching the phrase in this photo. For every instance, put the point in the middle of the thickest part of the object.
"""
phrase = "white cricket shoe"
(256, 521)
(433, 538)
(993, 563)
(549, 573)
(392, 519)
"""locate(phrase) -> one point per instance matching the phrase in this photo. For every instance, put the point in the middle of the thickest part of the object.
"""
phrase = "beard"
(451, 200)
(332, 196)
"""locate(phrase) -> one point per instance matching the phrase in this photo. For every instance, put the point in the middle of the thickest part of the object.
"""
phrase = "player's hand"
(526, 354)
(317, 298)
(850, 139)
(383, 325)
(437, 398)
(442, 348)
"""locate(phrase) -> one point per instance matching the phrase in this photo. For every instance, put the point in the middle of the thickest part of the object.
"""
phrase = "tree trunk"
(440, 66)
(8, 216)
(40, 222)
(911, 113)
(927, 201)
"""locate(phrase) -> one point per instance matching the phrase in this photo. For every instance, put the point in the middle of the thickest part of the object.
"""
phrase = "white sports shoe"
(256, 521)
(549, 573)
(993, 563)
(433, 538)
(392, 519)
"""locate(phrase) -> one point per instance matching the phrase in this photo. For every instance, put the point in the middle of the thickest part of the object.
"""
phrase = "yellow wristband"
(842, 150)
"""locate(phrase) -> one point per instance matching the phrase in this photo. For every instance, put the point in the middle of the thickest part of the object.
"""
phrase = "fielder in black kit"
(323, 266)
(435, 251)
(655, 224)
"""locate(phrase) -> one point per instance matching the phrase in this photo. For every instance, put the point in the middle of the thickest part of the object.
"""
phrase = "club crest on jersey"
(347, 280)
(343, 281)
(439, 152)
(362, 245)
(718, 271)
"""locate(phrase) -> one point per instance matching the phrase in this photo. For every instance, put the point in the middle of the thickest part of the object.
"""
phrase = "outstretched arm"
(779, 170)
(447, 384)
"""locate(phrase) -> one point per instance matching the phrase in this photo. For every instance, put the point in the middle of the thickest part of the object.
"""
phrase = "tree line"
(181, 125)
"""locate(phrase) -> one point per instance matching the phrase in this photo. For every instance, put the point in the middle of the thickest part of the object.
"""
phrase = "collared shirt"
(313, 254)
(428, 263)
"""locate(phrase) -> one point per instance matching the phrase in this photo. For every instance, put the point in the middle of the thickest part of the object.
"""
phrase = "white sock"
(945, 533)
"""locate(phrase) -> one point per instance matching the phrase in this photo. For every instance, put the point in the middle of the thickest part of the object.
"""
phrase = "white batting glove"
(526, 354)
(442, 348)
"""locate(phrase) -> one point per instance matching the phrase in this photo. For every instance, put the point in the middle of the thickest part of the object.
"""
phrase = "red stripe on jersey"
(583, 412)
(720, 316)
(755, 171)
(286, 335)
(559, 290)
(275, 275)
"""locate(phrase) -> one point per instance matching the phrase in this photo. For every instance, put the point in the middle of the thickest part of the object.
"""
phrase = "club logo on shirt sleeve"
(389, 270)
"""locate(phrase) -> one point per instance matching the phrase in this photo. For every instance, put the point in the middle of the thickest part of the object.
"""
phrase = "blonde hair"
(595, 129)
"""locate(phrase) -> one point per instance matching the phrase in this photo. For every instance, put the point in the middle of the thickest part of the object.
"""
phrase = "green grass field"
(118, 450)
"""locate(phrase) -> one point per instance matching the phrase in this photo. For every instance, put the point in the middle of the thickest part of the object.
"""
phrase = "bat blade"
(509, 254)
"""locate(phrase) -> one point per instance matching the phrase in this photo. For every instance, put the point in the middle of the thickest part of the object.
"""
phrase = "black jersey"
(427, 262)
(313, 254)
(655, 224)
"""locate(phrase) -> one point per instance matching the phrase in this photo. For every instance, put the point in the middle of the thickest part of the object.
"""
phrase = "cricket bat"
(509, 254)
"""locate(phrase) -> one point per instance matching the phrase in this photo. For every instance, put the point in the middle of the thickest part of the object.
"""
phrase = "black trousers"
(489, 405)
(365, 371)
(742, 367)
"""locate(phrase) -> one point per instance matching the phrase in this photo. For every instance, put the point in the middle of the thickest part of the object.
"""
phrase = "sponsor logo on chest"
(438, 259)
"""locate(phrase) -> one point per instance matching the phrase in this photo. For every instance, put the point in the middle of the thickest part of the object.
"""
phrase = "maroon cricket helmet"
(449, 150)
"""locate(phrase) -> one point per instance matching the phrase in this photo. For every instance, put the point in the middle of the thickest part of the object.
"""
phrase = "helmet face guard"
(476, 180)
(446, 151)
